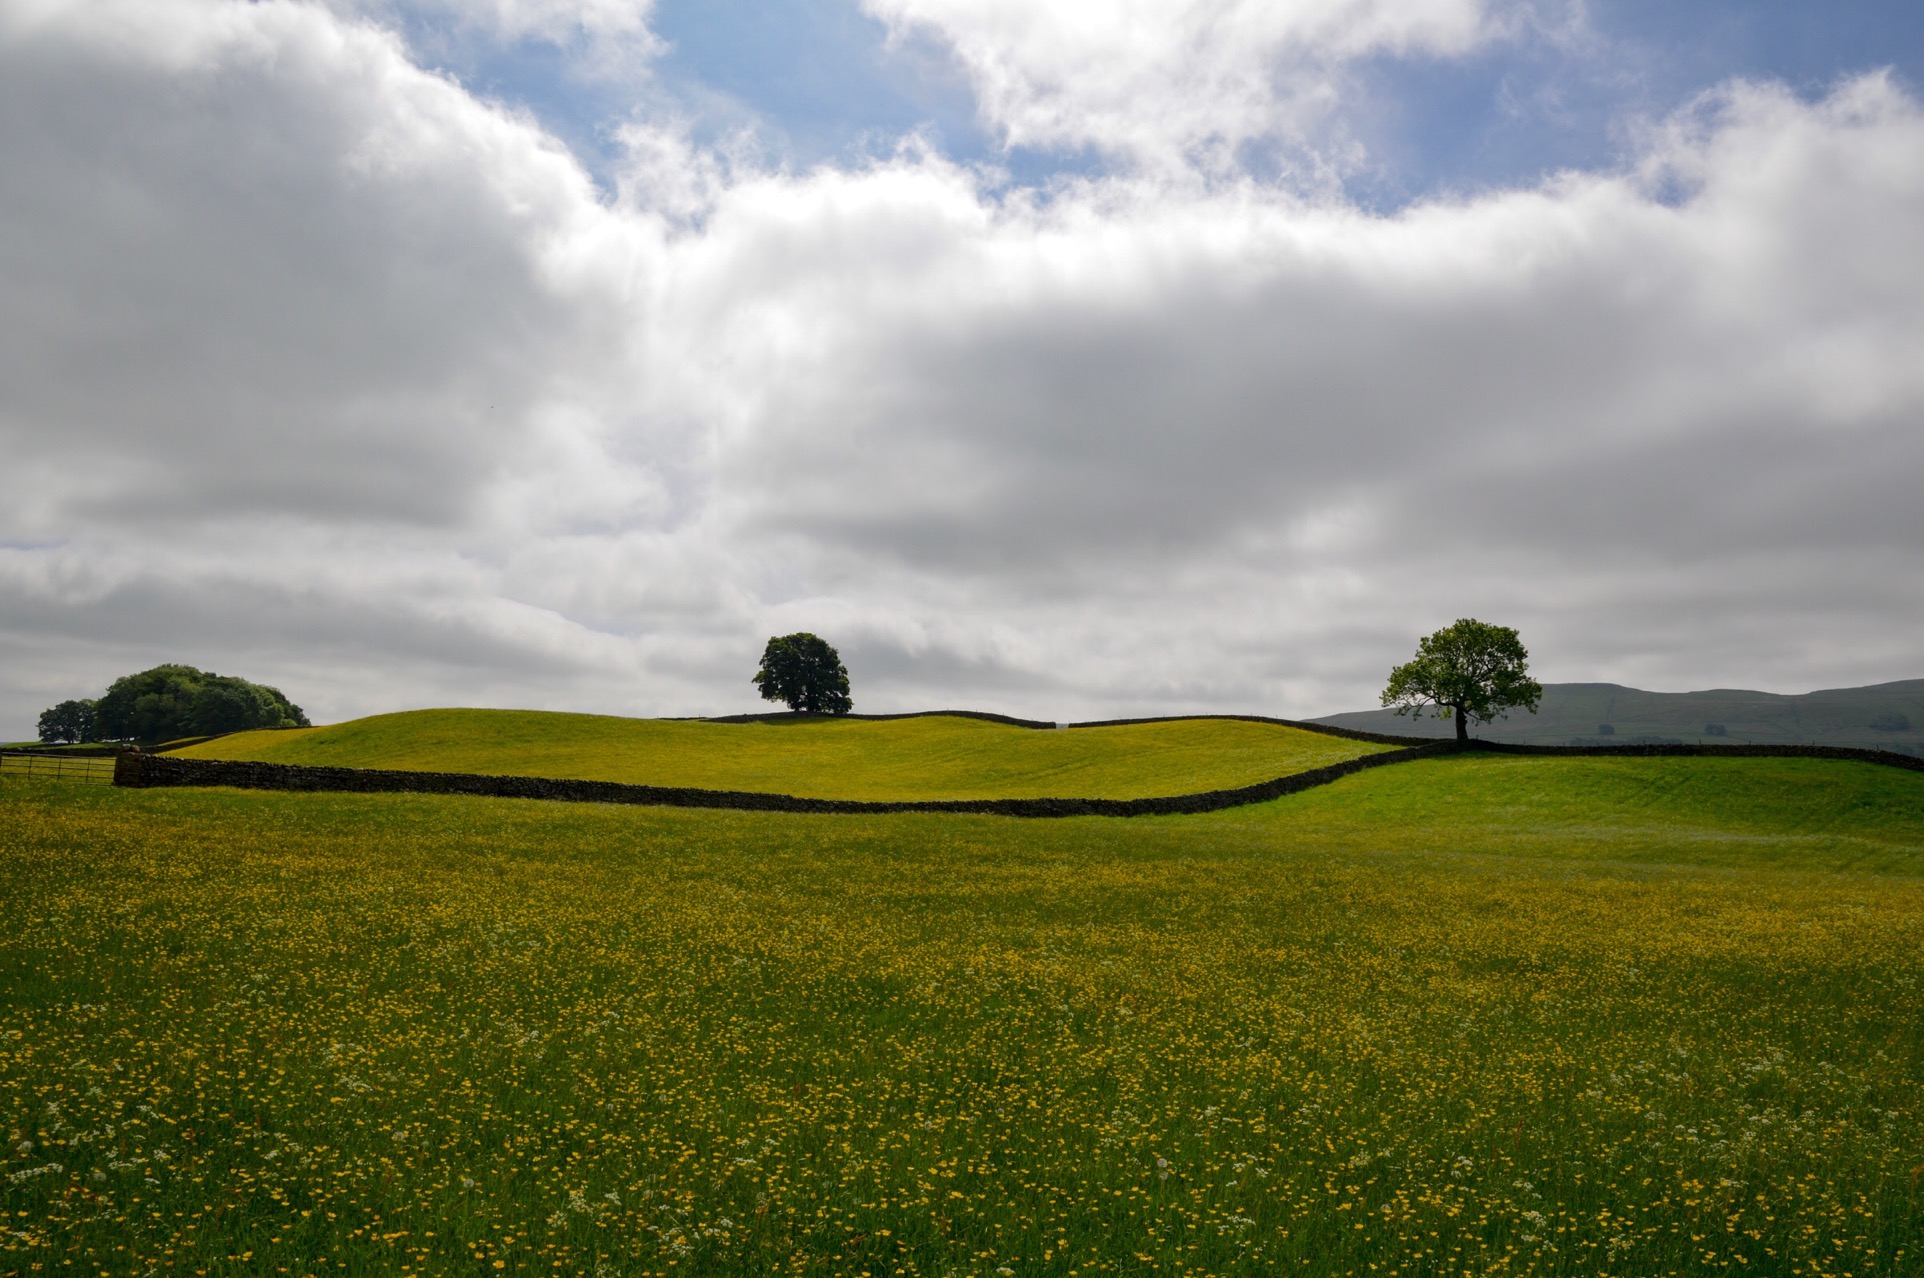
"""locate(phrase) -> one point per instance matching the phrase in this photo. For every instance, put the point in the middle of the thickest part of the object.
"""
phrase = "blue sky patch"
(819, 82)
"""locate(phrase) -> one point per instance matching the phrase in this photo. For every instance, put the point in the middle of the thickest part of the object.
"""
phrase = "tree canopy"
(70, 722)
(1470, 672)
(806, 673)
(169, 702)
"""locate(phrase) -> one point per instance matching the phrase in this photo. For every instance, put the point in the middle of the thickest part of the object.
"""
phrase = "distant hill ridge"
(1884, 716)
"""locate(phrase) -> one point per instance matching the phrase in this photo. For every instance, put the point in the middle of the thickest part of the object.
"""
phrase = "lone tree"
(1470, 672)
(805, 672)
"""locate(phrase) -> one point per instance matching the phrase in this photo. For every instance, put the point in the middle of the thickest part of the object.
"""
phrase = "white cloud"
(255, 260)
(322, 371)
(1093, 377)
(1170, 84)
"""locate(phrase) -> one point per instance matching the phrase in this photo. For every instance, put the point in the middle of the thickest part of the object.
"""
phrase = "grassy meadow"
(937, 757)
(1474, 1015)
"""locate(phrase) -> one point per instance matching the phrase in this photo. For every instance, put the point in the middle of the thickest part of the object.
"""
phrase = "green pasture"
(935, 757)
(39, 747)
(1743, 814)
(1473, 1015)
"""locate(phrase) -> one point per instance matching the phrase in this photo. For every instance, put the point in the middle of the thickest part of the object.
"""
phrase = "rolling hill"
(929, 757)
(1885, 716)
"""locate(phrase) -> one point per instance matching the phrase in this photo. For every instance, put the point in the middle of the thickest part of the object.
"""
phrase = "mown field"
(938, 757)
(1475, 1015)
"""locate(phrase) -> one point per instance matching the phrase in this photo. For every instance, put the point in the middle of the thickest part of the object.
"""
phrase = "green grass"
(1474, 1015)
(1805, 814)
(938, 757)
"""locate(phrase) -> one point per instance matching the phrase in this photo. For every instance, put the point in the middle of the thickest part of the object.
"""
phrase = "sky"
(1075, 360)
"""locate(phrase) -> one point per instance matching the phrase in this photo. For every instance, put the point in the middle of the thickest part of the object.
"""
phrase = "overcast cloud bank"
(324, 371)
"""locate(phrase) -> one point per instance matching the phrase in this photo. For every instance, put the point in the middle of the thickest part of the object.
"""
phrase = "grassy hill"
(1887, 716)
(1802, 814)
(1508, 1015)
(934, 757)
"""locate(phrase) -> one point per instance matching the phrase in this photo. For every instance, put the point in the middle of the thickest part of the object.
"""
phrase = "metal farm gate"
(95, 769)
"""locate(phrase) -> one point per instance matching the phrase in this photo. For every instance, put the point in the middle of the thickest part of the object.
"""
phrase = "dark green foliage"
(1470, 672)
(70, 722)
(806, 673)
(1892, 723)
(169, 702)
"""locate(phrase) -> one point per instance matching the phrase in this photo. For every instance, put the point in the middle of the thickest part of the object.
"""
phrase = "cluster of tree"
(169, 702)
(69, 722)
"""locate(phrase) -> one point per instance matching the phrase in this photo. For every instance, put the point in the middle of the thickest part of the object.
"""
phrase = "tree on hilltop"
(1470, 672)
(169, 702)
(805, 672)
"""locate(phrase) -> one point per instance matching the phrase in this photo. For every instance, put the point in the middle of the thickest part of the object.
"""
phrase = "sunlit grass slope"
(936, 757)
(1484, 1016)
(1808, 814)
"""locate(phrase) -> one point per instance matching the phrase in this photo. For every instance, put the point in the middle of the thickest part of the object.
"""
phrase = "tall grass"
(1472, 1016)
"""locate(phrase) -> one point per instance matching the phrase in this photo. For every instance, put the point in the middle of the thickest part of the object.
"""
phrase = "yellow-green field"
(1476, 1015)
(937, 757)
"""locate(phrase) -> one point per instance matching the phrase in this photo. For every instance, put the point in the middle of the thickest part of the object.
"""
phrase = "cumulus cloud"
(325, 371)
(255, 261)
(268, 283)
(1171, 84)
(1090, 384)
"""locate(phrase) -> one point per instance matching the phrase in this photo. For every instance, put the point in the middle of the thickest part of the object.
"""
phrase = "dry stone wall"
(144, 770)
(148, 770)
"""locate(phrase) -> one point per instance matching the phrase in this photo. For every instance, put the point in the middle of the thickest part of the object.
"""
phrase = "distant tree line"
(169, 702)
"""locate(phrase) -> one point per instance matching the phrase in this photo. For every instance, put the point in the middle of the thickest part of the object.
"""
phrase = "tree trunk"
(1462, 724)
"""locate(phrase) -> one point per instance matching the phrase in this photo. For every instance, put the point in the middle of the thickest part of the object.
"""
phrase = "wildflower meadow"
(1467, 1017)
